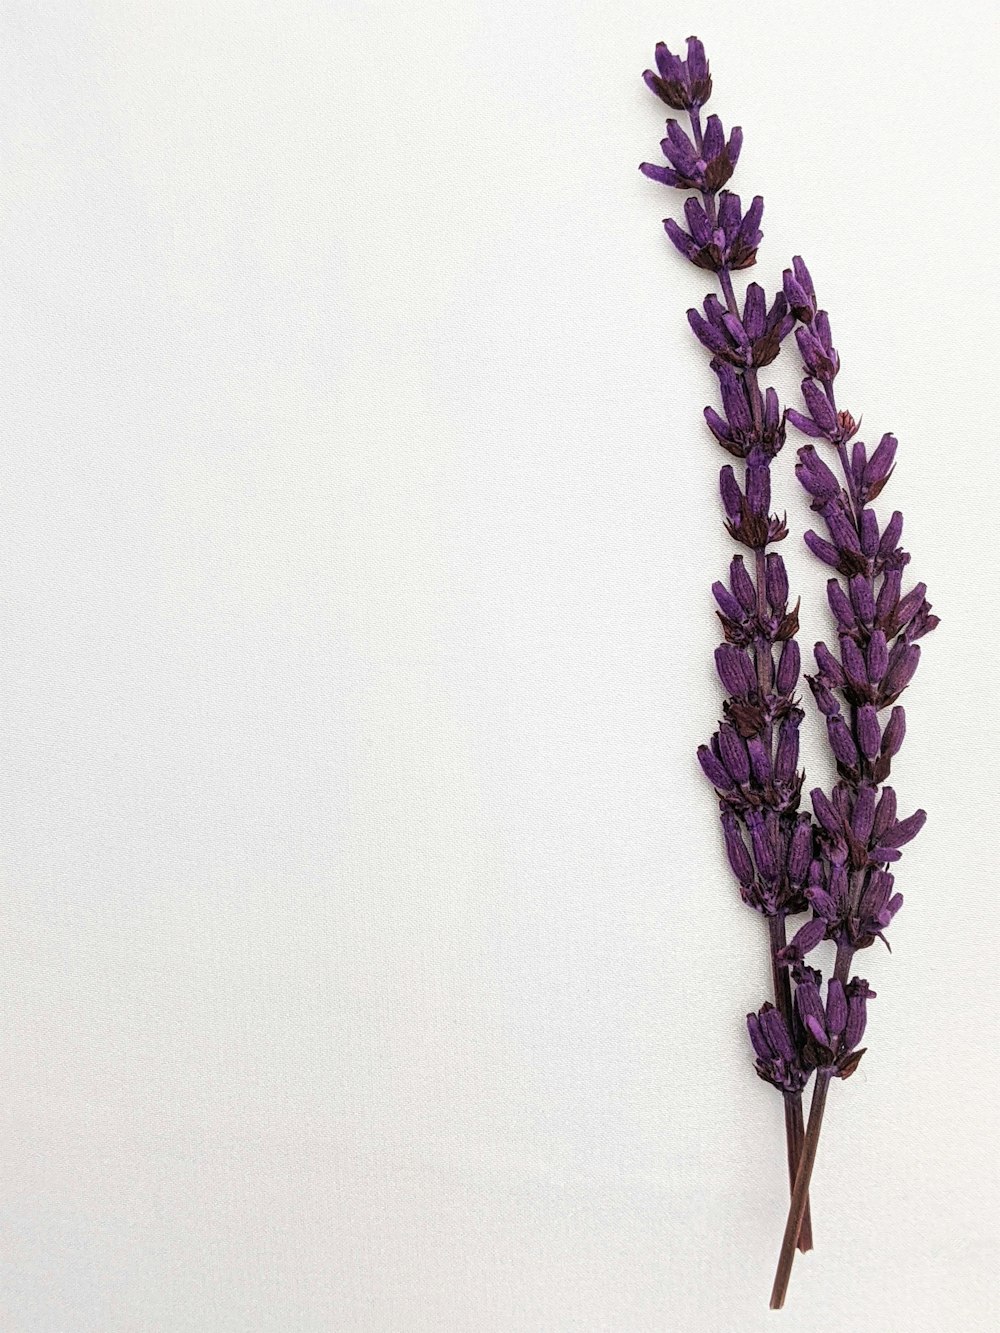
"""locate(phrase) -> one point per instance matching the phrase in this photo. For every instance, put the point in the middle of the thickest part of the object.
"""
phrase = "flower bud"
(862, 599)
(776, 583)
(742, 584)
(895, 730)
(714, 769)
(735, 669)
(736, 850)
(788, 667)
(877, 656)
(842, 742)
(833, 672)
(732, 496)
(734, 754)
(787, 754)
(869, 734)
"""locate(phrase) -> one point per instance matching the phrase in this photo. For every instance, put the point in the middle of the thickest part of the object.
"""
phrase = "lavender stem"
(798, 1211)
(800, 1194)
(794, 1127)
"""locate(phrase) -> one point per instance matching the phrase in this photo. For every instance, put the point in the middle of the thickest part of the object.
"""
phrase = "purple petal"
(778, 1035)
(877, 656)
(830, 667)
(863, 814)
(891, 535)
(736, 850)
(800, 849)
(825, 812)
(680, 238)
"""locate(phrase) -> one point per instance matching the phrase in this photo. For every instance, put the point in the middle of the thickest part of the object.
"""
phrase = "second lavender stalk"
(850, 886)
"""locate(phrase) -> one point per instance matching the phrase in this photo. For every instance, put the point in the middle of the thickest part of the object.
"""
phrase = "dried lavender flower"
(781, 858)
(752, 759)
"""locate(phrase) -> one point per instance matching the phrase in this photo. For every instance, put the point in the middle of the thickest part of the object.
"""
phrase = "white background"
(369, 959)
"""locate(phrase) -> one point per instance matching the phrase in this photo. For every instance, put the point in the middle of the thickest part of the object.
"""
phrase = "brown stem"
(800, 1194)
(794, 1130)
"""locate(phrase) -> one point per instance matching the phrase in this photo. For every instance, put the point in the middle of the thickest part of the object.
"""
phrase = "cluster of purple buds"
(692, 169)
(772, 879)
(750, 341)
(819, 1038)
(779, 1058)
(684, 85)
(728, 240)
(747, 425)
(743, 616)
(748, 509)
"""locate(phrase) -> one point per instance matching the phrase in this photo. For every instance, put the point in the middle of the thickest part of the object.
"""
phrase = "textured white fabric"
(369, 957)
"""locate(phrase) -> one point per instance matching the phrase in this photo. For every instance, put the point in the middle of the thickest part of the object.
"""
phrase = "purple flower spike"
(832, 1032)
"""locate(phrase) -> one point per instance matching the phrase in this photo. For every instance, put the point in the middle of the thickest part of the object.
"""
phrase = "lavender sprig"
(752, 760)
(849, 887)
